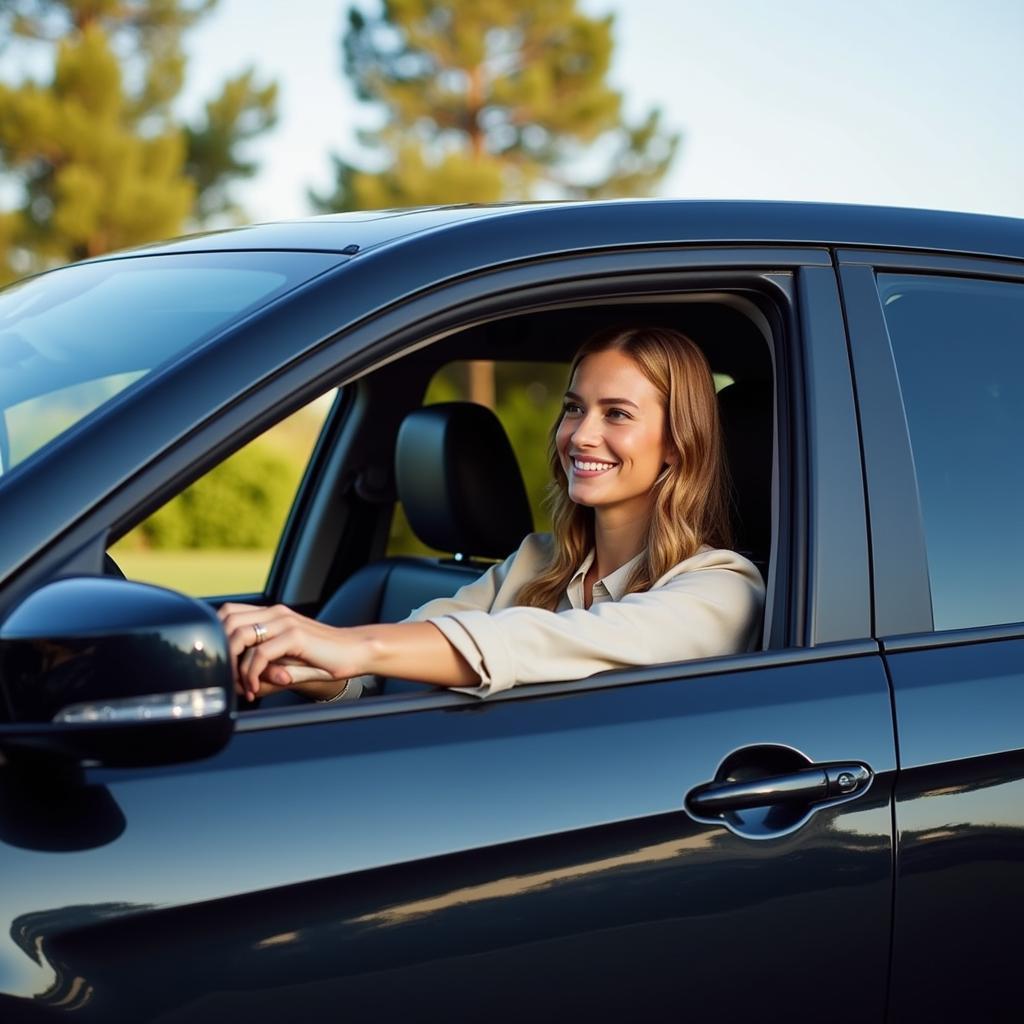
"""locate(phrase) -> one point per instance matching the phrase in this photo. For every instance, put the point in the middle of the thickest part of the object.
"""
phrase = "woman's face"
(611, 438)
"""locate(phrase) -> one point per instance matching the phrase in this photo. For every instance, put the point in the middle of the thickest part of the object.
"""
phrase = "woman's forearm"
(276, 647)
(411, 650)
(406, 650)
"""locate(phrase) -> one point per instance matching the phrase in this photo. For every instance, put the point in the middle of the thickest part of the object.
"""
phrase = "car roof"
(664, 221)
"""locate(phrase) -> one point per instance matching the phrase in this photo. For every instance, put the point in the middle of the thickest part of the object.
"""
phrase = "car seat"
(460, 485)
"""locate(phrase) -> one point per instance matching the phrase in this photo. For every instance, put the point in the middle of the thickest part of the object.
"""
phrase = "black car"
(825, 829)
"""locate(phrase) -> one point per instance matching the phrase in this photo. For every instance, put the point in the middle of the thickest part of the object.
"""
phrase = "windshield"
(72, 339)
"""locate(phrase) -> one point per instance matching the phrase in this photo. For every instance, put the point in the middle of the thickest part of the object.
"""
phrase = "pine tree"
(96, 156)
(485, 100)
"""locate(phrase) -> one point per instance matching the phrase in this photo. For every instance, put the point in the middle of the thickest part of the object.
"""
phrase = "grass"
(199, 573)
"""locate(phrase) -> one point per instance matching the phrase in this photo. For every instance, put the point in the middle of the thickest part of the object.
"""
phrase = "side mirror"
(116, 673)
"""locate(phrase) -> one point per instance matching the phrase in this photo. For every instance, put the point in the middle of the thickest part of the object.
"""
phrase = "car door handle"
(809, 785)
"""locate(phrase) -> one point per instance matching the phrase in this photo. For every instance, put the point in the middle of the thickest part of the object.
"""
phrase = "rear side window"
(959, 350)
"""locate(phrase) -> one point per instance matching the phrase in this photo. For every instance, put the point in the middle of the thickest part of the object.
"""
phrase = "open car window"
(219, 536)
(527, 399)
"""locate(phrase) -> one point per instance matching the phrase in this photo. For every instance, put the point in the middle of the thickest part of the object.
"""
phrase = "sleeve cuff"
(352, 690)
(476, 637)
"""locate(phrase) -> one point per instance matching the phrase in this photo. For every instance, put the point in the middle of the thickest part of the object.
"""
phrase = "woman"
(637, 570)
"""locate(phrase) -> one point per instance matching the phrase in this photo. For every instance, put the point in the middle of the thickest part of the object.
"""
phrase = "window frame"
(901, 584)
(704, 272)
(819, 621)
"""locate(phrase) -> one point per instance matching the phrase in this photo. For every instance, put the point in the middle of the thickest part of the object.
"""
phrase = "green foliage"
(243, 110)
(527, 413)
(242, 503)
(485, 100)
(97, 156)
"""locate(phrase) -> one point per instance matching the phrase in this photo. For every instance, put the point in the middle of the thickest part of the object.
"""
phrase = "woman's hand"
(275, 648)
(272, 648)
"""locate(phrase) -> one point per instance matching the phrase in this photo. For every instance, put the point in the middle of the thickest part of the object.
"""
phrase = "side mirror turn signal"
(112, 672)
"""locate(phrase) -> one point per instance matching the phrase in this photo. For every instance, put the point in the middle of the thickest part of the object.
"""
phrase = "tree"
(485, 100)
(96, 154)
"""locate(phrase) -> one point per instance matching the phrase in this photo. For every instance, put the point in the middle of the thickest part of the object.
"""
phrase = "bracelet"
(343, 693)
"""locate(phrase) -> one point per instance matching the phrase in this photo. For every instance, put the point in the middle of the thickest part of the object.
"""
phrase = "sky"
(895, 102)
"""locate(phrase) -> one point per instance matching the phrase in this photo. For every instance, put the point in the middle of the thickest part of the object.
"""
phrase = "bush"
(527, 414)
(242, 503)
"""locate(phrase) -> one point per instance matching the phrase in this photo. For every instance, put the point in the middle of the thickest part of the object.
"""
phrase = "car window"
(219, 535)
(527, 398)
(959, 351)
(73, 339)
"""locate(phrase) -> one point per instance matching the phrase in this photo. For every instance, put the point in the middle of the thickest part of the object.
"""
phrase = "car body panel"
(643, 222)
(447, 849)
(958, 699)
(960, 816)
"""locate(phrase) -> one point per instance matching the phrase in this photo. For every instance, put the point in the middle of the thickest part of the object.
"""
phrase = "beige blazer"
(708, 605)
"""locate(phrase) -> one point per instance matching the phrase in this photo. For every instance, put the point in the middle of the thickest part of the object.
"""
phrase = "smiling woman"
(637, 569)
(661, 487)
(600, 433)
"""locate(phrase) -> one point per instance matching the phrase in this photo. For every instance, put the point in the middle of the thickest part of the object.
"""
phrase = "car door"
(939, 365)
(710, 838)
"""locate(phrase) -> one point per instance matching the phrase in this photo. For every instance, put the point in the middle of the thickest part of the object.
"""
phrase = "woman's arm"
(334, 654)
(317, 659)
(711, 606)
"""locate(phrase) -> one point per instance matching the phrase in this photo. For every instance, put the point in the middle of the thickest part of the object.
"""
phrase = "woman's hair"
(691, 501)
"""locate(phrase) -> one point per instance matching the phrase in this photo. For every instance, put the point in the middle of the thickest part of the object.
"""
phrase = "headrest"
(746, 414)
(459, 481)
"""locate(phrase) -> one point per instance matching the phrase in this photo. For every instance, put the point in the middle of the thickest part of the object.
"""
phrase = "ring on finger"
(261, 632)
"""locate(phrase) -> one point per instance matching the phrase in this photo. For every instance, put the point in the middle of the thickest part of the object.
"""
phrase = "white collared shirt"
(706, 606)
(609, 588)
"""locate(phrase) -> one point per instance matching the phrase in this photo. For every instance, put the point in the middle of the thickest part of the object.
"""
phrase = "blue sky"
(902, 102)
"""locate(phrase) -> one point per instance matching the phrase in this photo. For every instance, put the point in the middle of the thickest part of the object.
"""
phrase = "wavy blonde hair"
(690, 496)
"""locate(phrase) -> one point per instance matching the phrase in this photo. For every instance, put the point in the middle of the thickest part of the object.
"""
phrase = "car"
(828, 827)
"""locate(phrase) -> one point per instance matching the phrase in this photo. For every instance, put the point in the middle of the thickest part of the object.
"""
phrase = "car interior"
(388, 449)
(451, 467)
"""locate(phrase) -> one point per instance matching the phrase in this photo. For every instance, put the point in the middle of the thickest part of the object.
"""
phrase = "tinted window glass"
(959, 349)
(73, 339)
